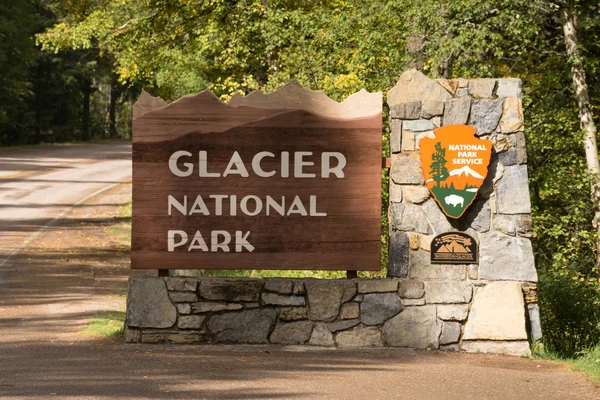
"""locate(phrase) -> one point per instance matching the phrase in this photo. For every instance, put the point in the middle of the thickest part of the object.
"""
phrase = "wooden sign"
(455, 164)
(454, 248)
(287, 180)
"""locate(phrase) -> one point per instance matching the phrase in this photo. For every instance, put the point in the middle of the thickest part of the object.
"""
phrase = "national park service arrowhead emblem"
(455, 164)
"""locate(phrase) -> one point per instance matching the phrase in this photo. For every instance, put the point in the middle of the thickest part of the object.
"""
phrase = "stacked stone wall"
(493, 302)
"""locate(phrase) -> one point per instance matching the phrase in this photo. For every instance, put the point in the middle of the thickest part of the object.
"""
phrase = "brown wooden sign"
(287, 180)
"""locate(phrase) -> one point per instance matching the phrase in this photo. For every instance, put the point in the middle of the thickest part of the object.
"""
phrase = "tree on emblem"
(438, 172)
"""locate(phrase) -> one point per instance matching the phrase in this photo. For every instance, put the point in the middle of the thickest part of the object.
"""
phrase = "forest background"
(70, 70)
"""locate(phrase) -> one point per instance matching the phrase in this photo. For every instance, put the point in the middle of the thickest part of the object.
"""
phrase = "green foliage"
(17, 55)
(590, 363)
(570, 311)
(438, 172)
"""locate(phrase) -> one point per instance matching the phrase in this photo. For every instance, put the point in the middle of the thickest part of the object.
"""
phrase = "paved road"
(62, 277)
(38, 185)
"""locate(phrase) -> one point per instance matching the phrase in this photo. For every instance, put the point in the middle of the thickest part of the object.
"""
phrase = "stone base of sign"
(390, 312)
(491, 306)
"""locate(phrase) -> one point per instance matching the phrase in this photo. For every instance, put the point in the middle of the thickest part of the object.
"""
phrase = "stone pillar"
(478, 308)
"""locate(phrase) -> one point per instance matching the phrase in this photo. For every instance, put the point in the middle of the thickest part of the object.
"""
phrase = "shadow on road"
(117, 371)
(34, 225)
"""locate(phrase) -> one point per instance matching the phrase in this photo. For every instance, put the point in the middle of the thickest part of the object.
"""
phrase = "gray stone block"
(511, 348)
(506, 258)
(237, 289)
(497, 313)
(190, 321)
(524, 225)
(413, 85)
(408, 110)
(510, 87)
(473, 272)
(395, 193)
(508, 157)
(450, 347)
(132, 335)
(482, 88)
(409, 217)
(535, 324)
(415, 194)
(360, 337)
(505, 224)
(183, 297)
(274, 299)
(299, 288)
(350, 311)
(485, 115)
(448, 292)
(415, 327)
(181, 284)
(412, 302)
(184, 308)
(521, 148)
(420, 267)
(214, 306)
(293, 314)
(283, 286)
(457, 111)
(452, 312)
(395, 135)
(406, 170)
(419, 125)
(482, 221)
(513, 191)
(398, 249)
(439, 221)
(325, 298)
(512, 116)
(377, 285)
(321, 336)
(248, 326)
(148, 303)
(432, 108)
(376, 308)
(297, 332)
(411, 289)
(342, 325)
(450, 333)
(462, 92)
(408, 140)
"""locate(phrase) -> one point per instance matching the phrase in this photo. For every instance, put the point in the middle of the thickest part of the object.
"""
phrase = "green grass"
(106, 324)
(588, 362)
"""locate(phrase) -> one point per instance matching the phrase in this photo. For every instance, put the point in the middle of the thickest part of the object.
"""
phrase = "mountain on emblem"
(467, 171)
(455, 164)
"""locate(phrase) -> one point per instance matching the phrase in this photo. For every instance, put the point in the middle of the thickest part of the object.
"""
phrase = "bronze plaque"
(287, 180)
(454, 248)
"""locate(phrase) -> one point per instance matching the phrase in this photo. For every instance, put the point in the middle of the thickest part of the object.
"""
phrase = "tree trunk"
(38, 103)
(85, 120)
(114, 96)
(582, 97)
